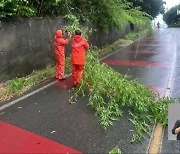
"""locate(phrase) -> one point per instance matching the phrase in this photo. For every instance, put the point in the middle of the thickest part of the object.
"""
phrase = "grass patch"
(114, 46)
(129, 39)
(134, 35)
(18, 86)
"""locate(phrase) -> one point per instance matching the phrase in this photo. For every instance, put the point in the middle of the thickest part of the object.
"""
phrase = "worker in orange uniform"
(158, 25)
(59, 46)
(79, 47)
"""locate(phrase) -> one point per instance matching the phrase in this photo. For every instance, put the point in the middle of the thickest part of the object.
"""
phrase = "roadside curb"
(156, 139)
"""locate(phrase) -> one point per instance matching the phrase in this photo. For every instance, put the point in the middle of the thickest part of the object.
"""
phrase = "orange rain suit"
(59, 46)
(79, 47)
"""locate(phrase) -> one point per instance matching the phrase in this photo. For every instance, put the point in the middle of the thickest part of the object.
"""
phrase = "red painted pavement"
(136, 63)
(17, 140)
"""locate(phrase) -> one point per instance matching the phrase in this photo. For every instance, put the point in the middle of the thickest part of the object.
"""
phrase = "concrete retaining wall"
(27, 44)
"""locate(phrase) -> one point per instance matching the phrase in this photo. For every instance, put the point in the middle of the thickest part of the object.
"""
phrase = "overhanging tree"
(152, 7)
(171, 17)
(103, 13)
(16, 8)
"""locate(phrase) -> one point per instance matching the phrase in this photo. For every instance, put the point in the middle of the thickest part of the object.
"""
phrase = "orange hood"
(59, 34)
(78, 38)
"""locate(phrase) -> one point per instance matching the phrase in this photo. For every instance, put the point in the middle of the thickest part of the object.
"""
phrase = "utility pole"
(178, 12)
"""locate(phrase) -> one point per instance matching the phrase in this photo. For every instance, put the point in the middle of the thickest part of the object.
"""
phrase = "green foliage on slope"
(171, 17)
(103, 13)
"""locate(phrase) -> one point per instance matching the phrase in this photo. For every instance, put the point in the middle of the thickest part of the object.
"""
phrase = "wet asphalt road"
(48, 113)
(174, 146)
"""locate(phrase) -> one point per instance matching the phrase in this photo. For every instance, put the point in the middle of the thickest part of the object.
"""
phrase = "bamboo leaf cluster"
(112, 94)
